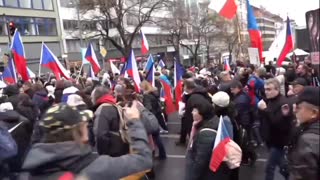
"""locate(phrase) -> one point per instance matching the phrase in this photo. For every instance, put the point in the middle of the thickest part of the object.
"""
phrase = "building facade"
(37, 21)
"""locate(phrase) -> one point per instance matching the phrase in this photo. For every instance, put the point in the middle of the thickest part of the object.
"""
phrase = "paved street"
(173, 166)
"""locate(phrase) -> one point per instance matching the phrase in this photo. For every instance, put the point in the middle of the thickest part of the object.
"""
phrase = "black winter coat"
(21, 134)
(275, 127)
(242, 105)
(152, 103)
(304, 157)
(199, 155)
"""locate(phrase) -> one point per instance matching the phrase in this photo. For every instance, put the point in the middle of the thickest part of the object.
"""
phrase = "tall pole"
(8, 30)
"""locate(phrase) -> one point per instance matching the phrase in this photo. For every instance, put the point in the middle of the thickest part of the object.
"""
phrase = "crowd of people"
(102, 128)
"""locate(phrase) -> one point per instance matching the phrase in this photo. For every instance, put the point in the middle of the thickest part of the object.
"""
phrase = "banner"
(254, 56)
(313, 23)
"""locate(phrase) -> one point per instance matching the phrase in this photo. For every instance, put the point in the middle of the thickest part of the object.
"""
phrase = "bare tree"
(113, 14)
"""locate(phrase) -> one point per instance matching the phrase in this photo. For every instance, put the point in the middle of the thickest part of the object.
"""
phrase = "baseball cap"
(310, 95)
(299, 81)
(62, 116)
(221, 99)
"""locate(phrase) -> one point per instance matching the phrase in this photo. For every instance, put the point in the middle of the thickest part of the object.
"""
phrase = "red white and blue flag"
(149, 64)
(226, 64)
(18, 52)
(167, 93)
(178, 81)
(9, 74)
(219, 151)
(30, 73)
(161, 64)
(91, 73)
(49, 60)
(132, 70)
(92, 58)
(254, 32)
(150, 75)
(225, 8)
(288, 45)
(144, 44)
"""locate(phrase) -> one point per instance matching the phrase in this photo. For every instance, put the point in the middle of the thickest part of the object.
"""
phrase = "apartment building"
(37, 21)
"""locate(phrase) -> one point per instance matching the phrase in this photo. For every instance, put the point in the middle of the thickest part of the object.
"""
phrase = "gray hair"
(98, 92)
(274, 82)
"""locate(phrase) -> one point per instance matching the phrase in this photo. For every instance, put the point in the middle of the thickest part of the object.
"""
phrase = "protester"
(277, 120)
(304, 148)
(64, 147)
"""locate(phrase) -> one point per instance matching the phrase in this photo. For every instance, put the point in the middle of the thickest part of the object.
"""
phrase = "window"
(3, 28)
(1, 3)
(47, 5)
(11, 3)
(52, 30)
(70, 24)
(67, 3)
(25, 26)
(37, 4)
(25, 3)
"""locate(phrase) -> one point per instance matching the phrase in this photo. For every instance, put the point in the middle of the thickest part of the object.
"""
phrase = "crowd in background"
(102, 129)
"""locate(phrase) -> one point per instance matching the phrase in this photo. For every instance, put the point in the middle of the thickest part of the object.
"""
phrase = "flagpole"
(39, 72)
(79, 73)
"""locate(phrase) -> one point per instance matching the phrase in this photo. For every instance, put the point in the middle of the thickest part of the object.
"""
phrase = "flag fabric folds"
(225, 8)
(226, 64)
(91, 73)
(92, 58)
(219, 151)
(150, 75)
(132, 70)
(49, 60)
(30, 73)
(114, 69)
(254, 32)
(161, 64)
(167, 93)
(149, 64)
(9, 74)
(288, 45)
(144, 44)
(18, 52)
(178, 82)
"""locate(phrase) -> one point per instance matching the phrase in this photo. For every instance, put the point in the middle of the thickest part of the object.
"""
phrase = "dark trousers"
(185, 130)
(276, 158)
(157, 140)
(162, 122)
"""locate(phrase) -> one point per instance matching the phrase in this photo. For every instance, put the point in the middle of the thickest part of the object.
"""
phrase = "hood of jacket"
(106, 99)
(9, 116)
(42, 93)
(44, 156)
(202, 91)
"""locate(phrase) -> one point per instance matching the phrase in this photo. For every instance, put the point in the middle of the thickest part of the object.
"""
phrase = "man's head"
(63, 123)
(302, 70)
(272, 88)
(189, 85)
(236, 87)
(261, 72)
(98, 92)
(298, 85)
(308, 105)
(225, 76)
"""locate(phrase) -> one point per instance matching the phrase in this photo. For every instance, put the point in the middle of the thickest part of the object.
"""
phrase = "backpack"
(8, 146)
(148, 119)
(118, 139)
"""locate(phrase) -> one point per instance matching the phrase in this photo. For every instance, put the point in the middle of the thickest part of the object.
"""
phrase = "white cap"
(6, 106)
(221, 99)
(75, 100)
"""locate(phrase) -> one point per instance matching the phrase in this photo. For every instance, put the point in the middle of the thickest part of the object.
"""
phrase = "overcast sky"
(296, 9)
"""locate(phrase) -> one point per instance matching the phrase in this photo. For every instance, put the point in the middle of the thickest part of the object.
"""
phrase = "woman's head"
(203, 111)
(147, 87)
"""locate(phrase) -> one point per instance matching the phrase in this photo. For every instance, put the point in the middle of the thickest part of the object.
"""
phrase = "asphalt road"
(173, 167)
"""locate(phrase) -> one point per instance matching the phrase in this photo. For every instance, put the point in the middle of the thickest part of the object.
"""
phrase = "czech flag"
(19, 55)
(49, 60)
(150, 75)
(114, 69)
(92, 58)
(144, 44)
(225, 8)
(149, 64)
(167, 93)
(178, 81)
(219, 151)
(288, 46)
(31, 74)
(226, 64)
(9, 74)
(133, 72)
(161, 64)
(254, 32)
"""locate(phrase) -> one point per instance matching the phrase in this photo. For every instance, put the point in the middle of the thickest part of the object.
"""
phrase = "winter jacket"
(226, 87)
(41, 100)
(275, 127)
(21, 134)
(255, 89)
(304, 156)
(152, 103)
(242, 105)
(45, 160)
(106, 124)
(199, 155)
